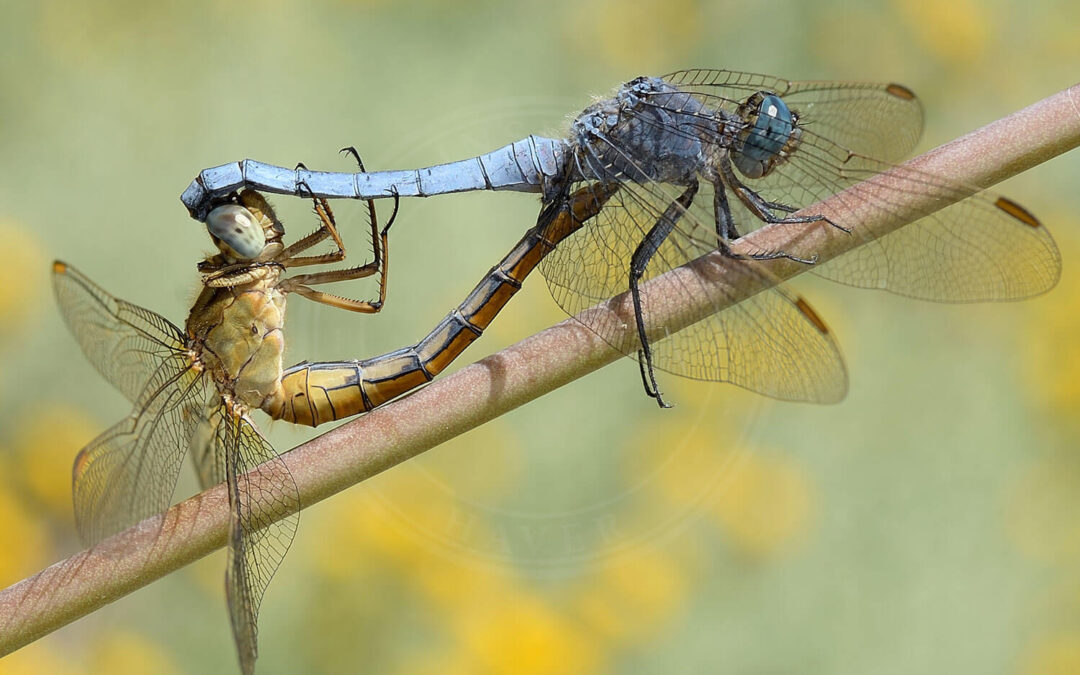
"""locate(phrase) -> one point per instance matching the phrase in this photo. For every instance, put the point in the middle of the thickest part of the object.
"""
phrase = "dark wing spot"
(900, 91)
(804, 307)
(1016, 211)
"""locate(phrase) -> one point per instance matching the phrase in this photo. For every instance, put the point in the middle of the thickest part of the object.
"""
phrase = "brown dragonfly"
(194, 389)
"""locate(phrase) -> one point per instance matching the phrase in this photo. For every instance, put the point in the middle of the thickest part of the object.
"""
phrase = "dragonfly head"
(770, 128)
(242, 231)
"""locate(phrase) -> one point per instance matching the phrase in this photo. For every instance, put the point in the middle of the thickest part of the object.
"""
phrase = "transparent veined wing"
(264, 505)
(770, 342)
(129, 472)
(204, 446)
(971, 246)
(982, 247)
(869, 118)
(125, 342)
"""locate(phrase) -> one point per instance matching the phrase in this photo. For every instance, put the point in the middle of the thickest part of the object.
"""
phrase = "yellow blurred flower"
(455, 662)
(24, 265)
(484, 465)
(208, 575)
(630, 596)
(519, 634)
(683, 460)
(45, 443)
(1042, 515)
(958, 31)
(767, 503)
(24, 547)
(127, 652)
(37, 658)
(398, 519)
(1050, 344)
(1055, 654)
(413, 519)
(351, 521)
(495, 625)
(423, 550)
(453, 585)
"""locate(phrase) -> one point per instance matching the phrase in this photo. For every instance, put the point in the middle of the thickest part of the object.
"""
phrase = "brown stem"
(533, 367)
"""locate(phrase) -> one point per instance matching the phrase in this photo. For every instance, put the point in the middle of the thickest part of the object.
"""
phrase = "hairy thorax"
(630, 138)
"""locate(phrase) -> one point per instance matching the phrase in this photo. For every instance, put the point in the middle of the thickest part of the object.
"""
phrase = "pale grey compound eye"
(237, 228)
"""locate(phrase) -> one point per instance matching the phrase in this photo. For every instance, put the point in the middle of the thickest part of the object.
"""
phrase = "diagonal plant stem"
(525, 371)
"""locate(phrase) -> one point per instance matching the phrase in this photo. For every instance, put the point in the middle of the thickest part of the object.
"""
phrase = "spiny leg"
(351, 151)
(726, 231)
(372, 216)
(301, 284)
(725, 225)
(327, 229)
(385, 245)
(380, 244)
(376, 236)
(762, 208)
(638, 263)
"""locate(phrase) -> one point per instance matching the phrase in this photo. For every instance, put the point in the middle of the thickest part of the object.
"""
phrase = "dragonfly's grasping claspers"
(194, 389)
(670, 150)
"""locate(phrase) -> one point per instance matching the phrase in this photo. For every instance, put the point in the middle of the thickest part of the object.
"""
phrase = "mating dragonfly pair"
(644, 182)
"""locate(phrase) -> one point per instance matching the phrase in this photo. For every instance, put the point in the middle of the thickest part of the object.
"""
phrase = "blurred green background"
(930, 523)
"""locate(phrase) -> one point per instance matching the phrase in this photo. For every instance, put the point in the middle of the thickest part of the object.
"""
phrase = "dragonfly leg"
(725, 225)
(762, 208)
(351, 151)
(638, 263)
(328, 230)
(301, 284)
(373, 218)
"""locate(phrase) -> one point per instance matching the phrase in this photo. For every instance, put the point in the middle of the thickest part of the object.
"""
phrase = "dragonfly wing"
(984, 247)
(204, 446)
(976, 246)
(264, 505)
(770, 342)
(869, 118)
(126, 343)
(129, 472)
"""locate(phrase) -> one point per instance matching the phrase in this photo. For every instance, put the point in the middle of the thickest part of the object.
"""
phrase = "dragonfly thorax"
(650, 130)
(240, 333)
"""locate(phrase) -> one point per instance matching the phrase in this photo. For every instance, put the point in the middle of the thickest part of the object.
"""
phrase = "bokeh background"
(930, 523)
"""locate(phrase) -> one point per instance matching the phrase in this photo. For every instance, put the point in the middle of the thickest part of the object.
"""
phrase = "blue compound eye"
(764, 138)
(771, 129)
